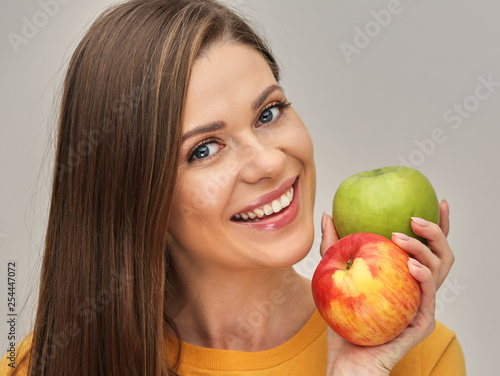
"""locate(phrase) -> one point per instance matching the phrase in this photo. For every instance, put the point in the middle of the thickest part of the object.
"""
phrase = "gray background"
(380, 106)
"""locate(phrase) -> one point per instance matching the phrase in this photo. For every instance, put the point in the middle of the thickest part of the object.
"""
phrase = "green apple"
(382, 201)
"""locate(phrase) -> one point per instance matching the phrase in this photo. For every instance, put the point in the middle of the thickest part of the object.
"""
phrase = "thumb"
(444, 214)
(329, 235)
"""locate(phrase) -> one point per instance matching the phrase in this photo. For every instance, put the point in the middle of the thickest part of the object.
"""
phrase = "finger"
(444, 217)
(435, 237)
(419, 251)
(423, 275)
(329, 235)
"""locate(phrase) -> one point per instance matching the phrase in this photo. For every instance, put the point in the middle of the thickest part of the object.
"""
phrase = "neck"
(245, 310)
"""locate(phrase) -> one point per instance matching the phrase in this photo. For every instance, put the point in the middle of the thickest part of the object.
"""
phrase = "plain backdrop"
(377, 83)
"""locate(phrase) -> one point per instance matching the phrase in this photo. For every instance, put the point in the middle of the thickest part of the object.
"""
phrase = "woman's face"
(245, 191)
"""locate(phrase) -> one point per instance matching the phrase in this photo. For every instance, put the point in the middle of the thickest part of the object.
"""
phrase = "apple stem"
(349, 264)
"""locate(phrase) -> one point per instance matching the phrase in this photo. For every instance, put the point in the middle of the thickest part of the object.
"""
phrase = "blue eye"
(205, 149)
(271, 113)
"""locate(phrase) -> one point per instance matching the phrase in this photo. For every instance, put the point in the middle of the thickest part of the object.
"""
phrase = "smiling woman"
(200, 196)
(262, 149)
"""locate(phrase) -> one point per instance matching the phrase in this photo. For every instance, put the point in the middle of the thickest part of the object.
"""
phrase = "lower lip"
(277, 221)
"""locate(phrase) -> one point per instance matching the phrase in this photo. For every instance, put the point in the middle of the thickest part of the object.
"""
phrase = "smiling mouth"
(267, 210)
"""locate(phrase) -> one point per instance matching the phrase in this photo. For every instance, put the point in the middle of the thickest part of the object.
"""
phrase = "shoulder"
(439, 354)
(16, 358)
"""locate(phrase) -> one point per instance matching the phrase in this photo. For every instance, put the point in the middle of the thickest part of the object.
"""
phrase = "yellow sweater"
(305, 354)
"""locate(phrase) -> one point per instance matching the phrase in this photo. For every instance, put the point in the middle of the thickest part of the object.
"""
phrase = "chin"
(292, 248)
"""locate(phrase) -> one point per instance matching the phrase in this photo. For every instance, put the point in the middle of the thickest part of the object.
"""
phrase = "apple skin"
(382, 201)
(372, 301)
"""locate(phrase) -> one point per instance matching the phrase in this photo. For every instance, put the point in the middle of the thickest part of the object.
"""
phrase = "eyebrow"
(262, 98)
(202, 129)
(217, 125)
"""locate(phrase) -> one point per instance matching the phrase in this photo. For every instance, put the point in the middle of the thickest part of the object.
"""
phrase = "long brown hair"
(104, 279)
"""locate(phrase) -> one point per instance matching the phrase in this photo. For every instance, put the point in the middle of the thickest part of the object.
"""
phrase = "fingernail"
(420, 221)
(401, 236)
(415, 262)
(323, 222)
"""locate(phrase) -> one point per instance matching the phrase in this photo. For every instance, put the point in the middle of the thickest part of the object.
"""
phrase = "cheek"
(299, 144)
(188, 203)
(199, 199)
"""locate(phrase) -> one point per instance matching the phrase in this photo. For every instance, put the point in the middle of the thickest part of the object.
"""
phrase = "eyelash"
(281, 105)
(206, 141)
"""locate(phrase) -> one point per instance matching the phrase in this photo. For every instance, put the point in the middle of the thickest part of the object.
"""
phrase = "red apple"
(363, 289)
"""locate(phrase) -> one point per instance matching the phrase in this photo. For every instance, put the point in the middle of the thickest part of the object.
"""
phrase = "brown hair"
(104, 278)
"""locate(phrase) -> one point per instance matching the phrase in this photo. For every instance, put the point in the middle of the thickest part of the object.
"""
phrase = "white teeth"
(285, 201)
(260, 213)
(274, 207)
(268, 209)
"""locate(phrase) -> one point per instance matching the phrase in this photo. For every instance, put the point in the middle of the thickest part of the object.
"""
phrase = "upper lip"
(275, 194)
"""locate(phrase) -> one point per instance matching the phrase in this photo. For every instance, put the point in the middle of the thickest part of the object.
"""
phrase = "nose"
(261, 160)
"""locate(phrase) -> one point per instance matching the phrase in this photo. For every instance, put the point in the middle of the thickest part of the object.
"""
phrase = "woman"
(183, 195)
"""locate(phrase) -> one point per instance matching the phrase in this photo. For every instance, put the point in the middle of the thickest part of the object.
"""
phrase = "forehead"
(226, 77)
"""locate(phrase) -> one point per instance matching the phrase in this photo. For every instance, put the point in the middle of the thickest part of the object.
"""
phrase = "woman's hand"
(439, 258)
(430, 267)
